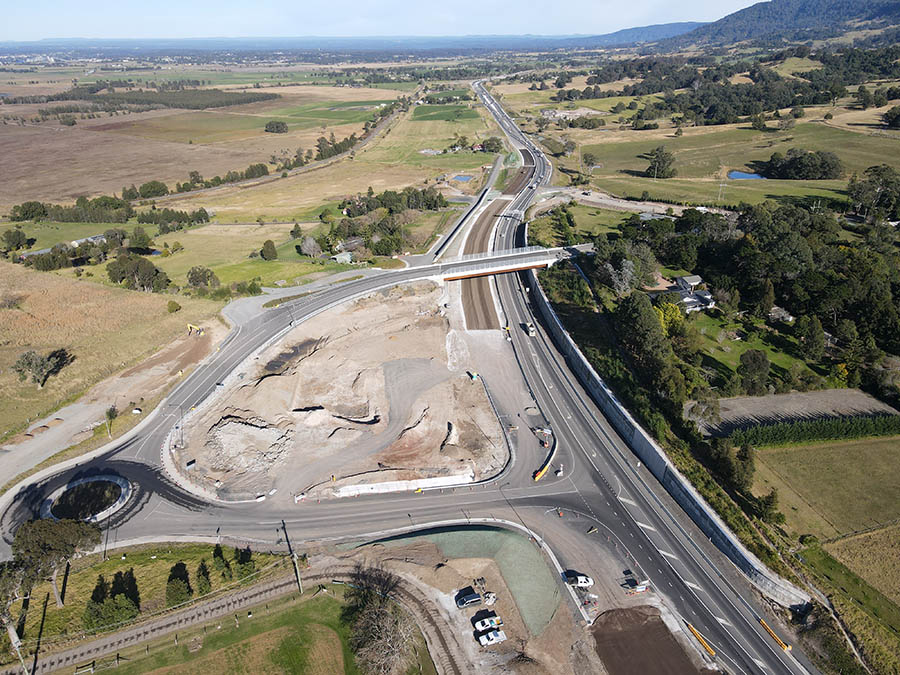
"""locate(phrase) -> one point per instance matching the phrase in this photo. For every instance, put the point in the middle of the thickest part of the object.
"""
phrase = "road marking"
(691, 584)
(667, 554)
(645, 526)
(722, 621)
(761, 664)
(626, 500)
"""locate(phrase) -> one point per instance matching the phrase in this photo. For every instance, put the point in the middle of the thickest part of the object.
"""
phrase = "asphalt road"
(477, 299)
(601, 485)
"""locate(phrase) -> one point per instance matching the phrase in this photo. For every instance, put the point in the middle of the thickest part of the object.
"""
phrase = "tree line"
(810, 431)
(98, 210)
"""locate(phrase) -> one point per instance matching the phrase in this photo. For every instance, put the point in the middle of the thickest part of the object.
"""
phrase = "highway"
(601, 486)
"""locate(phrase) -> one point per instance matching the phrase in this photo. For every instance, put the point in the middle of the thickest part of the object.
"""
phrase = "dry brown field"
(100, 156)
(104, 329)
(875, 556)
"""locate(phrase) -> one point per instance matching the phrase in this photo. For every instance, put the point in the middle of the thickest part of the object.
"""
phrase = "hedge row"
(831, 429)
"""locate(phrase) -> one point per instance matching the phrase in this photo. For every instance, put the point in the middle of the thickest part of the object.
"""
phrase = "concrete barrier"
(654, 458)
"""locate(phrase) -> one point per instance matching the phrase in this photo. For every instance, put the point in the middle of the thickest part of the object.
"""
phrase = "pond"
(741, 175)
(462, 179)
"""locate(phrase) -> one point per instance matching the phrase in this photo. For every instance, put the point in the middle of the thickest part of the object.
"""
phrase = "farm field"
(874, 556)
(449, 112)
(413, 134)
(104, 154)
(103, 328)
(833, 489)
(151, 564)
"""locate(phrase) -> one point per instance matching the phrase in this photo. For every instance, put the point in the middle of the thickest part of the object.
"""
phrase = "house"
(647, 216)
(345, 258)
(94, 239)
(688, 283)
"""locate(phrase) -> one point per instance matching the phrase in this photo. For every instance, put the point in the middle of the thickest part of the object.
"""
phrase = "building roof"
(692, 279)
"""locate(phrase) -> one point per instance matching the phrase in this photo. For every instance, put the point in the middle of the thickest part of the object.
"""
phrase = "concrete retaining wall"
(655, 459)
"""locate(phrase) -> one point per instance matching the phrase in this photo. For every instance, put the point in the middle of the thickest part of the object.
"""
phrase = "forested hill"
(792, 20)
(628, 36)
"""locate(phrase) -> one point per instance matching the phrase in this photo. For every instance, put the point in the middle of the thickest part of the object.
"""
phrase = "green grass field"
(793, 65)
(446, 112)
(833, 489)
(589, 221)
(723, 354)
(47, 235)
(873, 556)
(151, 565)
(289, 635)
(328, 112)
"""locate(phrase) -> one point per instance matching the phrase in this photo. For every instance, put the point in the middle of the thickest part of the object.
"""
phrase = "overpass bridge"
(503, 261)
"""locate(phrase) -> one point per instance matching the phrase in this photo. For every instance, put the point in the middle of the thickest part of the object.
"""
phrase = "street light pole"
(293, 557)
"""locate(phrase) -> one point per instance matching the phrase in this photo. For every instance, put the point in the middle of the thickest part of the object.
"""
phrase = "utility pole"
(293, 557)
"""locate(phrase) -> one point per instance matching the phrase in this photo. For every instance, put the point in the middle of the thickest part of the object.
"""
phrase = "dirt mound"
(635, 641)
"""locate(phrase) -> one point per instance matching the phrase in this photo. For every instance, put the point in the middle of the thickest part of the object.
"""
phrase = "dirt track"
(478, 303)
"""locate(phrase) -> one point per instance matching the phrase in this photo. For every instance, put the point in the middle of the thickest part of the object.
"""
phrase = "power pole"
(293, 557)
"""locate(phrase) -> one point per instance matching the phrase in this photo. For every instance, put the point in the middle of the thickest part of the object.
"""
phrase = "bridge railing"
(496, 254)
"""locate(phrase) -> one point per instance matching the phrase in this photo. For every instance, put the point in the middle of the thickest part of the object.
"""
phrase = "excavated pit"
(371, 391)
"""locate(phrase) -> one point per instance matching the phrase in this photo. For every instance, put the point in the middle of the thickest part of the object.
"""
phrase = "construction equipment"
(194, 329)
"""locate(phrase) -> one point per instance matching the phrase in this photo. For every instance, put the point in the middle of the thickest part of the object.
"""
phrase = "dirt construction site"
(353, 396)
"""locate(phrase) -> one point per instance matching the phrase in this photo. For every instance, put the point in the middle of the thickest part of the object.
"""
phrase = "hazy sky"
(36, 19)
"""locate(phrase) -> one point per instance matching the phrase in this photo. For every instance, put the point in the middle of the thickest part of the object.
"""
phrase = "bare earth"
(396, 406)
(745, 411)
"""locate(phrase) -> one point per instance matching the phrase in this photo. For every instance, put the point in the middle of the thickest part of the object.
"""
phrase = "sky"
(37, 19)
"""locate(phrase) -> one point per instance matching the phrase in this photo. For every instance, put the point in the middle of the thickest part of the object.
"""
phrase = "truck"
(531, 330)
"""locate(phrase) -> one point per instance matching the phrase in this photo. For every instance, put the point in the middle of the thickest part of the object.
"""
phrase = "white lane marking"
(667, 554)
(722, 621)
(761, 664)
(645, 526)
(627, 501)
(691, 584)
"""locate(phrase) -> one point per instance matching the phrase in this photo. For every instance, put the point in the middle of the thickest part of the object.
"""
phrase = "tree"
(202, 277)
(40, 367)
(276, 127)
(40, 546)
(662, 163)
(590, 160)
(758, 122)
(754, 371)
(767, 299)
(153, 188)
(864, 98)
(137, 273)
(178, 587)
(296, 231)
(383, 639)
(767, 507)
(221, 564)
(204, 585)
(892, 117)
(244, 564)
(28, 211)
(310, 247)
(809, 330)
(14, 239)
(745, 467)
(130, 193)
(268, 251)
(140, 240)
(492, 144)
(111, 414)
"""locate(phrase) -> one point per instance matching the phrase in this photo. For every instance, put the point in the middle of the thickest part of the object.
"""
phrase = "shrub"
(173, 307)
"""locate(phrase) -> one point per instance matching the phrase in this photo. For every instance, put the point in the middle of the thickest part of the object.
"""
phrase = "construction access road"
(603, 503)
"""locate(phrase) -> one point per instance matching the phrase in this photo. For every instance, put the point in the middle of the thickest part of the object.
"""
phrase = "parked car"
(467, 598)
(488, 623)
(579, 580)
(495, 637)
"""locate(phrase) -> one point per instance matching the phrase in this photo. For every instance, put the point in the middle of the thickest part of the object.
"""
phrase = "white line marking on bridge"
(691, 584)
(667, 554)
(761, 664)
(723, 622)
(627, 501)
(645, 526)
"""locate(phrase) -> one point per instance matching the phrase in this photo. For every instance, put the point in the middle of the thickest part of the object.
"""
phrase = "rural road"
(602, 486)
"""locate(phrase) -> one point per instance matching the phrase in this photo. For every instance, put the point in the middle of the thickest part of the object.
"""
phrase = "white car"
(580, 580)
(488, 623)
(495, 637)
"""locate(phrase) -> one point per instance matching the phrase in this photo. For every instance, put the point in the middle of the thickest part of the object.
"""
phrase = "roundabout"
(91, 499)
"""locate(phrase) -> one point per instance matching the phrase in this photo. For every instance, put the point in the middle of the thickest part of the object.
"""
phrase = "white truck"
(495, 637)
